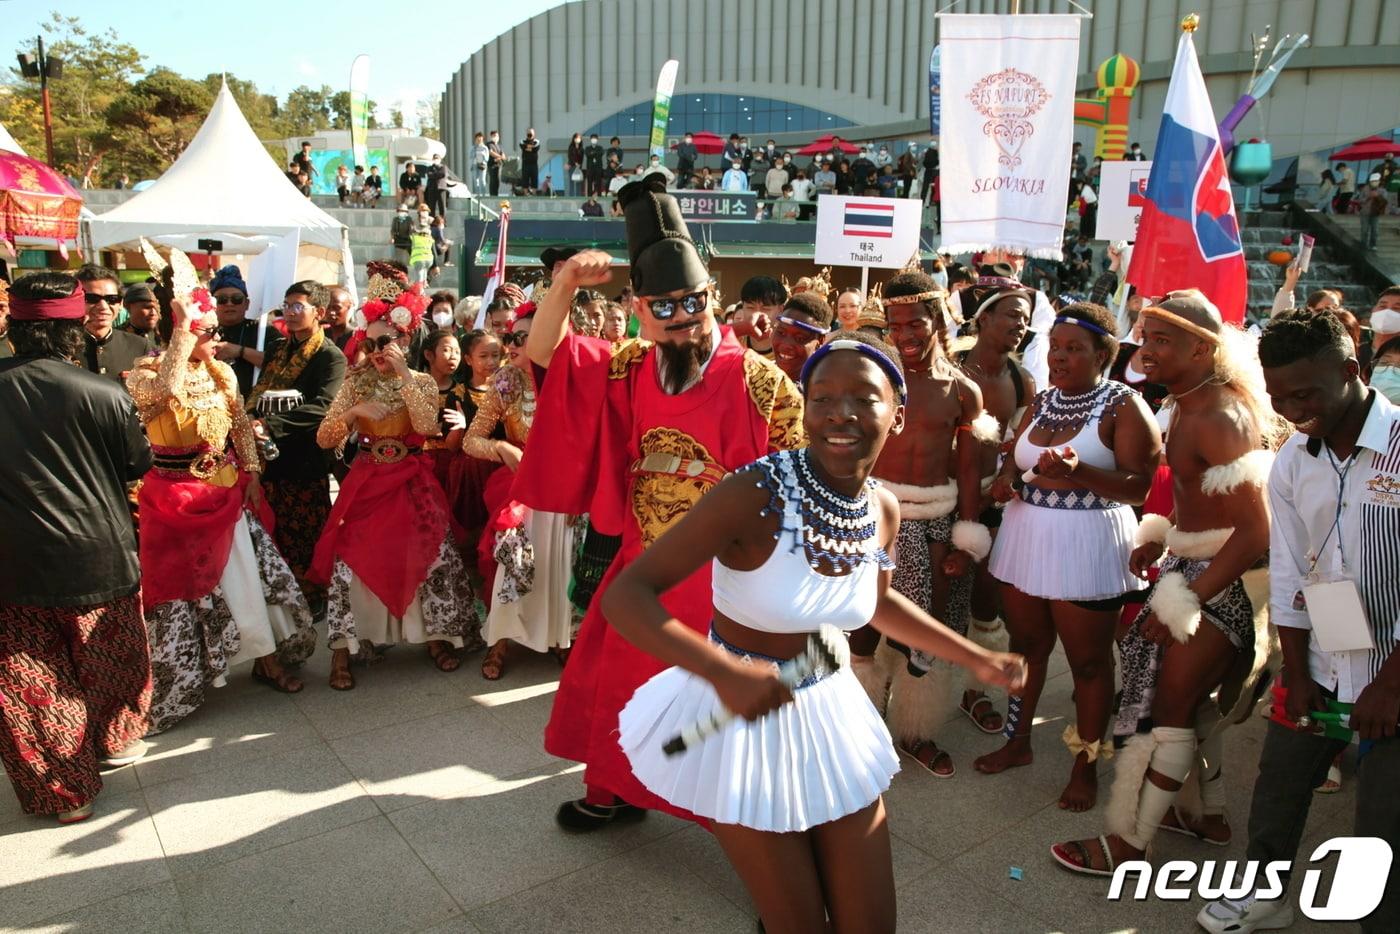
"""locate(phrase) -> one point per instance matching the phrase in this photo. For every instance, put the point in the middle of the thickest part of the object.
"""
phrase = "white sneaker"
(1232, 916)
(132, 753)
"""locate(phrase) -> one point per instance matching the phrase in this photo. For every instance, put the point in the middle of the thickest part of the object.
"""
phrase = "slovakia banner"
(1007, 108)
(1188, 237)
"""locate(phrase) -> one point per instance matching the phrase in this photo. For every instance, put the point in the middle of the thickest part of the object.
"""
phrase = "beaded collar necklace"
(1059, 411)
(837, 530)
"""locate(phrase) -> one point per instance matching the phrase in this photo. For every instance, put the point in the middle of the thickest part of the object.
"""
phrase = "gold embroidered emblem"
(778, 402)
(627, 354)
(660, 500)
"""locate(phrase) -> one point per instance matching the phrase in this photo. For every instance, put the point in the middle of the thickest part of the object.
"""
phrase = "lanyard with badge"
(1331, 599)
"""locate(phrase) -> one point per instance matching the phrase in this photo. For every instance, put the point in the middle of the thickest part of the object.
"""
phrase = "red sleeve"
(579, 436)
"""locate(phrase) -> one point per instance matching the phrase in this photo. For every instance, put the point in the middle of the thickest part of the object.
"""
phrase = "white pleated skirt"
(543, 618)
(823, 756)
(1066, 554)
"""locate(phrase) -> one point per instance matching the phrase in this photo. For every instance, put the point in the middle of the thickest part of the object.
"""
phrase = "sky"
(195, 41)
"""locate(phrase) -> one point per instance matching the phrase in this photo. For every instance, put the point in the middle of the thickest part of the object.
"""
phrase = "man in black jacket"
(435, 189)
(109, 352)
(495, 158)
(686, 154)
(593, 165)
(74, 664)
(297, 481)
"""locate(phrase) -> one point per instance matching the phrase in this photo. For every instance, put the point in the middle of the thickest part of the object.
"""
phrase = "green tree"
(156, 118)
(306, 111)
(429, 124)
(97, 68)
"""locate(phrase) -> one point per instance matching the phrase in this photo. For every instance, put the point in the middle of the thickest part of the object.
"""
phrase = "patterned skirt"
(1231, 612)
(256, 609)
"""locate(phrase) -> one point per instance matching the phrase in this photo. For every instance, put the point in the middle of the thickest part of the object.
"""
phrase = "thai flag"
(1188, 236)
(868, 219)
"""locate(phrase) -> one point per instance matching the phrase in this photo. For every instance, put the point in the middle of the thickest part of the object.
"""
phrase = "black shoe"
(580, 817)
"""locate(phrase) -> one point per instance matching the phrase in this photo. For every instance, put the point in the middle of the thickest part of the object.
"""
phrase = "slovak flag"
(1188, 236)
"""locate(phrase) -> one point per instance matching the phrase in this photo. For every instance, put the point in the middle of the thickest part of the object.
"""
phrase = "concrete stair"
(1263, 233)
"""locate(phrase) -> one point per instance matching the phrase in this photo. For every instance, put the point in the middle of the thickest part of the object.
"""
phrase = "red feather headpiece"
(404, 312)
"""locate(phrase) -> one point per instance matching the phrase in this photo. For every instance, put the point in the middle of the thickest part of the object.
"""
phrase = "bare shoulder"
(1224, 433)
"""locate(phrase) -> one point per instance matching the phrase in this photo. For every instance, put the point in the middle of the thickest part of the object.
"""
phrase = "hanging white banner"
(1008, 127)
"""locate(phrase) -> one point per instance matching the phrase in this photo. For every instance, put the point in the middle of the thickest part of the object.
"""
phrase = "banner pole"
(864, 282)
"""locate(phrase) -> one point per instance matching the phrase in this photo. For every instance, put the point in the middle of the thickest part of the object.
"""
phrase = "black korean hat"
(663, 256)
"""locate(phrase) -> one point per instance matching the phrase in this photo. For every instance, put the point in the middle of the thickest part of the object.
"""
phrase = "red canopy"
(1372, 147)
(706, 143)
(36, 201)
(825, 144)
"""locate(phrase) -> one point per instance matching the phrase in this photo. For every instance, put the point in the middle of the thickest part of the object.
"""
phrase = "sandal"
(443, 657)
(495, 661)
(916, 750)
(981, 722)
(284, 683)
(341, 679)
(1182, 827)
(1333, 784)
(1062, 854)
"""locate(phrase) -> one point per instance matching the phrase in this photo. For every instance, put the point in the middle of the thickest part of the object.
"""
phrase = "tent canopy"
(1372, 147)
(224, 182)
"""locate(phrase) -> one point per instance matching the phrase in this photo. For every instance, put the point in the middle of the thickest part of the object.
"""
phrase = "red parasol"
(1372, 147)
(825, 143)
(706, 143)
(35, 201)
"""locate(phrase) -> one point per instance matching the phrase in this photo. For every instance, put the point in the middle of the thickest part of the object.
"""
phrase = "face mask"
(1386, 381)
(442, 318)
(593, 141)
(1385, 321)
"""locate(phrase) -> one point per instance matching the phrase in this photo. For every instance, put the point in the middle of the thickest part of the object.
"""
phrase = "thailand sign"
(879, 232)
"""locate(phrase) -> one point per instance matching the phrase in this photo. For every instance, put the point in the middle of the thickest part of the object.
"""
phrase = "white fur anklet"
(1176, 606)
(973, 538)
(1152, 530)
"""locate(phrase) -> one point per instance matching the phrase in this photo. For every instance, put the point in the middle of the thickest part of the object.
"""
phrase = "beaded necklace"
(1059, 411)
(837, 532)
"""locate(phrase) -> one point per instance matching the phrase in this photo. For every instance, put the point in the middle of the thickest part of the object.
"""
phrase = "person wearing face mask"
(304, 373)
(692, 405)
(883, 157)
(529, 163)
(862, 172)
(480, 155)
(417, 592)
(495, 158)
(593, 157)
(686, 154)
(1385, 370)
(654, 165)
(735, 178)
(1134, 154)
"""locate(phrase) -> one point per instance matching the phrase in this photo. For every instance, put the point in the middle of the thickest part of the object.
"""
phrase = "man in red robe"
(634, 434)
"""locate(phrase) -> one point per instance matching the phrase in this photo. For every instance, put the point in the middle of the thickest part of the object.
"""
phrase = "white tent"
(225, 183)
(7, 142)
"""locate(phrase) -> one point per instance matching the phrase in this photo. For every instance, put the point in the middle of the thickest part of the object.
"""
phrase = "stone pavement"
(422, 801)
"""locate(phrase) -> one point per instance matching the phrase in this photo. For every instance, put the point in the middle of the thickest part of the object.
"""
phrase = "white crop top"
(785, 593)
(1087, 444)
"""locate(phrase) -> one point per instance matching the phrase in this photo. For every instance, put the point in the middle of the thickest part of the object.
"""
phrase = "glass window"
(722, 114)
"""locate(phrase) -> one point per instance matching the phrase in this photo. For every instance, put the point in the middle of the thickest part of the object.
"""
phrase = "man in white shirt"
(735, 178)
(1334, 492)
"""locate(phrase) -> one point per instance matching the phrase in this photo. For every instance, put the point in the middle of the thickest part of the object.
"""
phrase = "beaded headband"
(912, 299)
(1171, 317)
(807, 326)
(1086, 325)
(871, 353)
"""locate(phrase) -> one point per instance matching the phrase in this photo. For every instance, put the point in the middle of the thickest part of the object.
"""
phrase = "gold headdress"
(386, 282)
(819, 285)
(872, 313)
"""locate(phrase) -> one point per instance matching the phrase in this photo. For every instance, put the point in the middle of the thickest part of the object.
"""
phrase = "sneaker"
(75, 816)
(130, 754)
(1240, 916)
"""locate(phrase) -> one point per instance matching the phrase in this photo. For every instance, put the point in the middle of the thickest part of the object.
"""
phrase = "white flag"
(1008, 127)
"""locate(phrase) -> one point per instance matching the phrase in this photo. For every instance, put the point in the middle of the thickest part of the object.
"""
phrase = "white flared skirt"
(260, 626)
(1065, 554)
(823, 756)
(543, 618)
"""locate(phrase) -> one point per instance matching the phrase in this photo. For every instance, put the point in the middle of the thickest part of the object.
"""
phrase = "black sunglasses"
(230, 299)
(664, 309)
(92, 298)
(380, 342)
(515, 339)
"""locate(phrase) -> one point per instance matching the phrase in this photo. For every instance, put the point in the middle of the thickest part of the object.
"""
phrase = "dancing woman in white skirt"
(797, 540)
(1087, 448)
